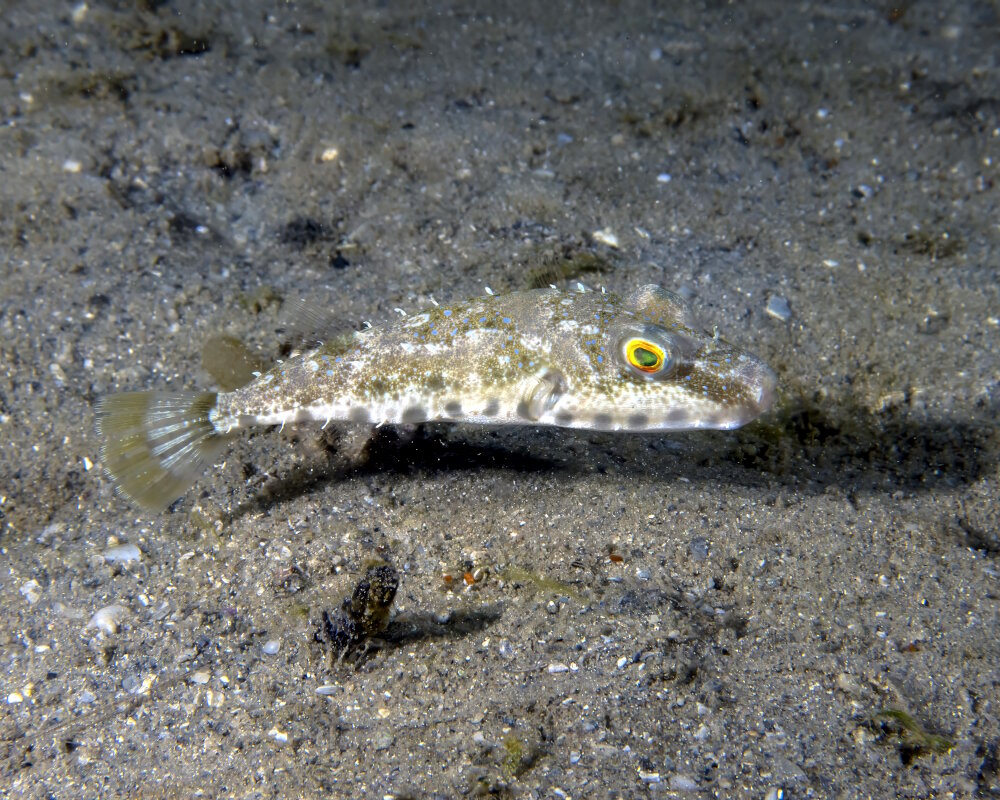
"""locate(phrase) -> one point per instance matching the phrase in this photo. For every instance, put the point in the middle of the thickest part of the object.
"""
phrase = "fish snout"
(762, 386)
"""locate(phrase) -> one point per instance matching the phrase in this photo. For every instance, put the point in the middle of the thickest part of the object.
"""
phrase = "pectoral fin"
(541, 394)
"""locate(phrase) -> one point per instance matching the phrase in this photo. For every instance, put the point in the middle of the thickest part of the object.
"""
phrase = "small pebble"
(778, 308)
(15, 697)
(57, 372)
(682, 783)
(663, 177)
(122, 554)
(606, 236)
(30, 591)
(698, 547)
(327, 689)
(107, 619)
(201, 676)
(132, 684)
(649, 777)
(557, 668)
(214, 699)
(271, 647)
(279, 736)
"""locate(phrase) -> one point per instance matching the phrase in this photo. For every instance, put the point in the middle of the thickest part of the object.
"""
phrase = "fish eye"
(645, 356)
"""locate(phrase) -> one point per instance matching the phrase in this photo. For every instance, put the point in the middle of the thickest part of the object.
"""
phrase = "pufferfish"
(593, 360)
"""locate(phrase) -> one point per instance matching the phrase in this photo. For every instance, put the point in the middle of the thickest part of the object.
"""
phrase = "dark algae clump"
(363, 615)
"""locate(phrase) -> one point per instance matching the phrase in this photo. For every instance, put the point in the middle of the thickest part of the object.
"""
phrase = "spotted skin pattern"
(580, 360)
(544, 357)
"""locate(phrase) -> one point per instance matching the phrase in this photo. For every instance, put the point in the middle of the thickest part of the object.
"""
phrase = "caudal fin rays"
(156, 444)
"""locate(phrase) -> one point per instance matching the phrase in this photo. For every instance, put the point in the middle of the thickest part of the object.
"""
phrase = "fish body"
(591, 360)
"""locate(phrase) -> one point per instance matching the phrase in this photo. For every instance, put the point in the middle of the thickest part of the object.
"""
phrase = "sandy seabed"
(807, 607)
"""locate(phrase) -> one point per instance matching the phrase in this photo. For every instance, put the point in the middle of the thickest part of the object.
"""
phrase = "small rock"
(30, 591)
(683, 783)
(271, 647)
(281, 737)
(698, 547)
(123, 554)
(786, 771)
(607, 237)
(107, 619)
(778, 308)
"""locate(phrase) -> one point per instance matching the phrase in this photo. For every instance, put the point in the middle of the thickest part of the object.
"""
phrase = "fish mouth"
(761, 390)
(757, 392)
(767, 386)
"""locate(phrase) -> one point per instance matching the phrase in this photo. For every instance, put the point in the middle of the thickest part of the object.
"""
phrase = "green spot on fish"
(646, 358)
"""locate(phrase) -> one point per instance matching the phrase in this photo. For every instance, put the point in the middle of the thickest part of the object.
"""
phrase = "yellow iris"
(645, 355)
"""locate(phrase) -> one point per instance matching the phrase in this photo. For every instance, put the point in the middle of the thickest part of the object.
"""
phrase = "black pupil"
(644, 357)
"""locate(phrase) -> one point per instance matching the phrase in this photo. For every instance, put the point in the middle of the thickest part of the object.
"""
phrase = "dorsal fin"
(308, 324)
(565, 268)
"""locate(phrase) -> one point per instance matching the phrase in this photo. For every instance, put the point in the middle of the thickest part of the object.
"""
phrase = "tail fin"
(156, 444)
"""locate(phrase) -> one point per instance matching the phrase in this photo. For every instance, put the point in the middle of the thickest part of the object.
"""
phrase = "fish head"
(646, 365)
